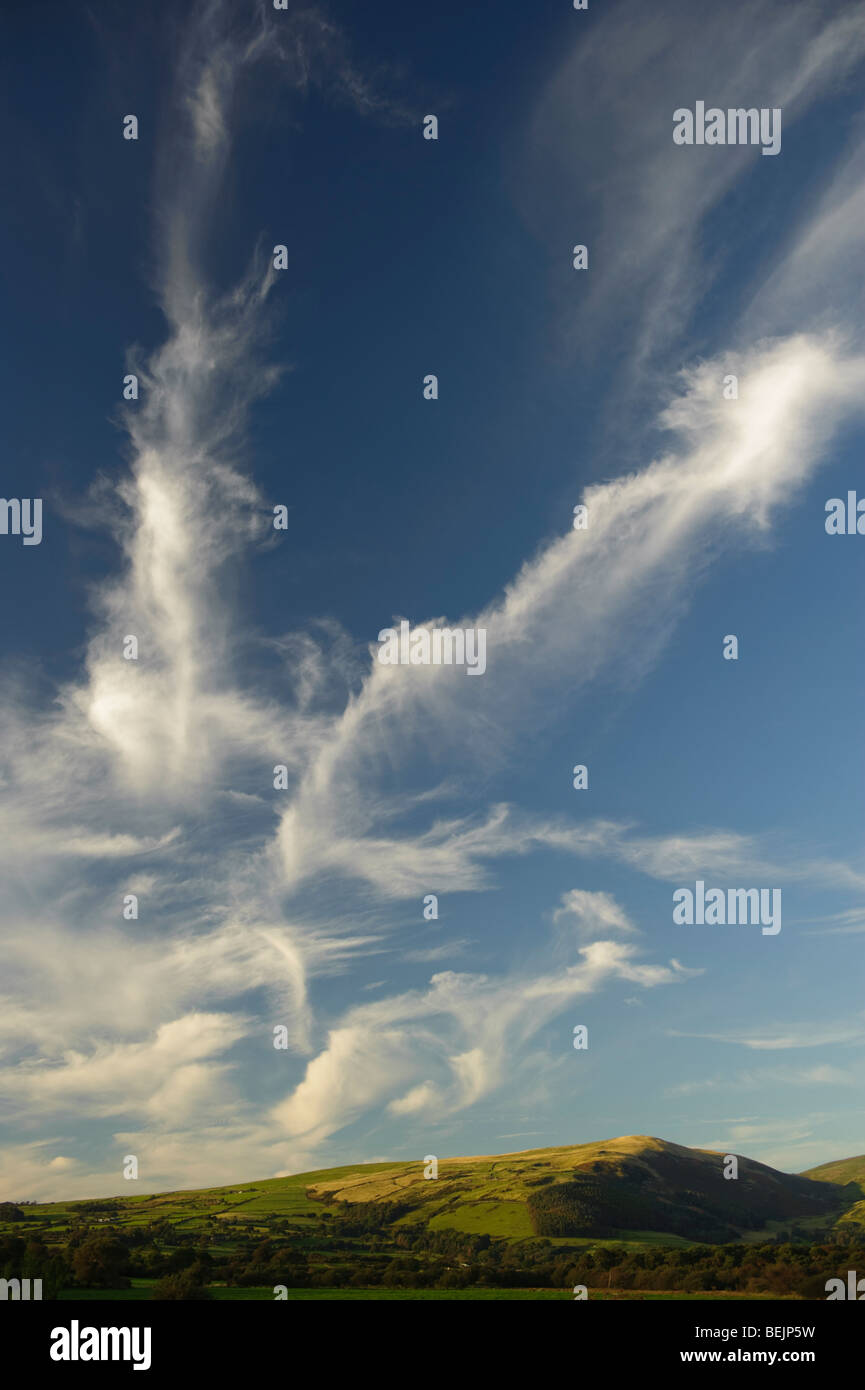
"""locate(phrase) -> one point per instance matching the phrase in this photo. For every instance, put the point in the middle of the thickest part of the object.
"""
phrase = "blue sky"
(303, 907)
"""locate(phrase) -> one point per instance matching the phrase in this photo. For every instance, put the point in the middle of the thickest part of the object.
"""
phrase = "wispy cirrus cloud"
(646, 213)
(781, 1037)
(653, 534)
(759, 1080)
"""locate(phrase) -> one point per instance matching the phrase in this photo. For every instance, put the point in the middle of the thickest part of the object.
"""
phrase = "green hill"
(841, 1170)
(632, 1184)
(848, 1173)
(631, 1188)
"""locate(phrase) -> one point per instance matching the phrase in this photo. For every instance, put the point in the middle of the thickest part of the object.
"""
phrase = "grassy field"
(142, 1287)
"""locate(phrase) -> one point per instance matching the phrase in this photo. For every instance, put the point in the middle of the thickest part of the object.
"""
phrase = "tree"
(184, 1287)
(100, 1262)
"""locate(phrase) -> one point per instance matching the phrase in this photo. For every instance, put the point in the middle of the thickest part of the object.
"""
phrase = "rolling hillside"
(841, 1170)
(850, 1174)
(631, 1188)
(632, 1184)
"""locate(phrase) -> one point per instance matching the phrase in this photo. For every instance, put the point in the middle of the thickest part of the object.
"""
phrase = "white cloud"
(468, 1029)
(592, 913)
(168, 1077)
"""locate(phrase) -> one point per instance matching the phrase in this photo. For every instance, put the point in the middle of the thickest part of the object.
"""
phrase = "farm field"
(142, 1289)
